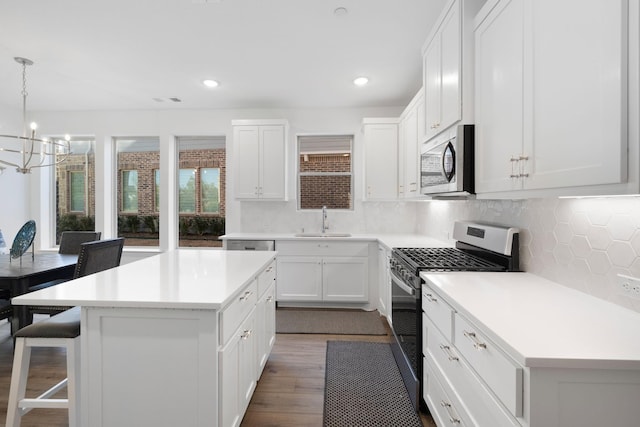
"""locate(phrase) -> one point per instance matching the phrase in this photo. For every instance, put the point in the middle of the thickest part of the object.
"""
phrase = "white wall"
(14, 187)
(580, 243)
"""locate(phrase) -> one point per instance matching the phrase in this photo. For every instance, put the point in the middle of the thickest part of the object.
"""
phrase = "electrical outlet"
(629, 286)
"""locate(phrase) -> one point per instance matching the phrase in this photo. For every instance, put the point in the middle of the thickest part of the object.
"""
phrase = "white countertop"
(187, 279)
(389, 240)
(541, 323)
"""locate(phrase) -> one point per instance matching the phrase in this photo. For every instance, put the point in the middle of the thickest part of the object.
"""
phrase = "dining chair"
(70, 243)
(6, 309)
(61, 330)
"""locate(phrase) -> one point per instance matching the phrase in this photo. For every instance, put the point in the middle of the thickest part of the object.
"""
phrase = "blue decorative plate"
(23, 239)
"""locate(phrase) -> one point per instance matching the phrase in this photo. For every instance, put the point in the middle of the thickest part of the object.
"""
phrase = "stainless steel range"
(479, 247)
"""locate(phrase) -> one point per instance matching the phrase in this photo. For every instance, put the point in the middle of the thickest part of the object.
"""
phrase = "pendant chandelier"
(27, 151)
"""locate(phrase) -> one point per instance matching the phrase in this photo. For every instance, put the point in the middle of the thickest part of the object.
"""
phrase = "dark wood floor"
(289, 393)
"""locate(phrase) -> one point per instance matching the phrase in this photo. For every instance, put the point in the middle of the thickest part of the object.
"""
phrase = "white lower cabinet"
(459, 378)
(237, 373)
(384, 282)
(266, 325)
(470, 380)
(317, 271)
(247, 335)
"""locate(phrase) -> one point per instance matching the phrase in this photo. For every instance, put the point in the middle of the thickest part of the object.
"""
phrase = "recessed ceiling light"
(340, 11)
(361, 81)
(210, 83)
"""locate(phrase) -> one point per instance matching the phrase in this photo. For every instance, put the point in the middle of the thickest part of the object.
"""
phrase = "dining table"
(19, 274)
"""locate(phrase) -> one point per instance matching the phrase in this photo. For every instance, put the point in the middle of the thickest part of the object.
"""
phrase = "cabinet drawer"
(440, 313)
(503, 376)
(444, 409)
(266, 278)
(322, 248)
(479, 401)
(233, 315)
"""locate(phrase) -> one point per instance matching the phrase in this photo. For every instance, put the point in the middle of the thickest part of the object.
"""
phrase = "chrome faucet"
(324, 219)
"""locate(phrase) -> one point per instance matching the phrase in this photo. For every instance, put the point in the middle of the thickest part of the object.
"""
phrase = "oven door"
(406, 318)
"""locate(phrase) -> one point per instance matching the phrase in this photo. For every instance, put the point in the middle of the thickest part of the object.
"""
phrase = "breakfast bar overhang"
(153, 333)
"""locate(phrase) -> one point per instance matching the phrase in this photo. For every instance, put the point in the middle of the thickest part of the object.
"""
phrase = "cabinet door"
(411, 153)
(272, 161)
(247, 377)
(384, 283)
(345, 279)
(299, 278)
(579, 104)
(265, 327)
(402, 149)
(432, 86)
(246, 144)
(499, 96)
(381, 161)
(229, 390)
(450, 67)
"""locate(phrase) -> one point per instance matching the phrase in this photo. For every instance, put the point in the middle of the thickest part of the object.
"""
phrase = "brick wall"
(145, 163)
(75, 163)
(333, 191)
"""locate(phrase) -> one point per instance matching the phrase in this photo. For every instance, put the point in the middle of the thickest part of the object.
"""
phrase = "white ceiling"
(120, 54)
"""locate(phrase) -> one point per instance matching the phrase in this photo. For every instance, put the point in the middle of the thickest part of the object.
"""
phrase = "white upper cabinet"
(448, 68)
(411, 134)
(260, 159)
(551, 95)
(381, 158)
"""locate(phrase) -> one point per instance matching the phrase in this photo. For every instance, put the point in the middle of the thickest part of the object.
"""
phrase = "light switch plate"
(629, 286)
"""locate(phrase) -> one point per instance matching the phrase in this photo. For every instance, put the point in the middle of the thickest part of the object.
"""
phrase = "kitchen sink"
(322, 235)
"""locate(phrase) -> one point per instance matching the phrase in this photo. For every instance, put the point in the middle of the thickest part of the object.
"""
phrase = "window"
(324, 172)
(129, 191)
(76, 192)
(210, 189)
(138, 163)
(201, 175)
(156, 190)
(187, 190)
(75, 188)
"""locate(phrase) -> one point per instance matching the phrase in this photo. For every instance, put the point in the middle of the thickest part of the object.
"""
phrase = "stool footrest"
(43, 403)
(27, 404)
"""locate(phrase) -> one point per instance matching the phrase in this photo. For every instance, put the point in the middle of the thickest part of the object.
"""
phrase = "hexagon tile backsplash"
(580, 243)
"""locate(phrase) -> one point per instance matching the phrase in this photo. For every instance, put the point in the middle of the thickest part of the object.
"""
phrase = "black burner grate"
(445, 259)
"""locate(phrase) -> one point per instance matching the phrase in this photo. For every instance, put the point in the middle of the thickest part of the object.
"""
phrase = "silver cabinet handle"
(246, 295)
(477, 344)
(269, 299)
(452, 418)
(246, 334)
(447, 350)
(430, 298)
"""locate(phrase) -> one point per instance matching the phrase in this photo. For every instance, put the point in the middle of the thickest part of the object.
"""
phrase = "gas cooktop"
(445, 259)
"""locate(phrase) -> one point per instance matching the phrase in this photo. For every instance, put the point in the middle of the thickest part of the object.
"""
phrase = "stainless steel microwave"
(446, 165)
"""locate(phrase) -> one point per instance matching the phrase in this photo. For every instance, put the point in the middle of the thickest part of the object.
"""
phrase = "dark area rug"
(363, 387)
(311, 321)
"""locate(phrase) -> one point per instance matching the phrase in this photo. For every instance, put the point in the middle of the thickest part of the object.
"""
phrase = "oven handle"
(408, 289)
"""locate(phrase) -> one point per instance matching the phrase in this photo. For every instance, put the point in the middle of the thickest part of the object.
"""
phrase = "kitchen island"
(175, 339)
